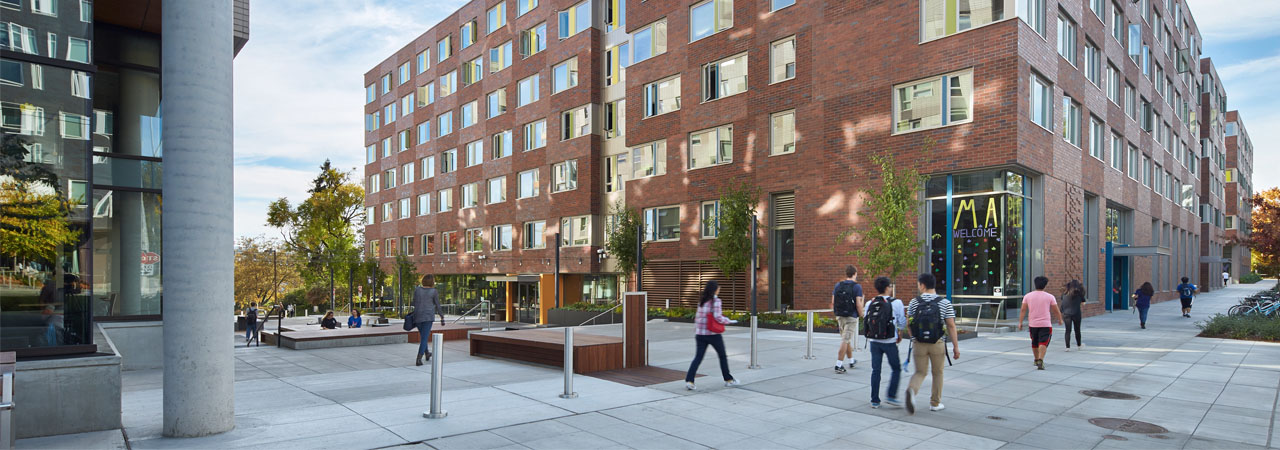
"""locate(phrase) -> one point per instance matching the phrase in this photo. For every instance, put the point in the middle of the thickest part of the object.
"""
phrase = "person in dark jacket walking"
(1142, 300)
(1073, 311)
(426, 305)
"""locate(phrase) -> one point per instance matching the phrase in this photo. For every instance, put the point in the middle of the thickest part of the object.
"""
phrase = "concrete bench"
(313, 338)
(591, 353)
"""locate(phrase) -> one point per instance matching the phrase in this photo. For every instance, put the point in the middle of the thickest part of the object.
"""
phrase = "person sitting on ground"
(329, 323)
(355, 320)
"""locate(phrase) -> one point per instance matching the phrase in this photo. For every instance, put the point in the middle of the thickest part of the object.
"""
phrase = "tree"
(321, 231)
(891, 245)
(1264, 238)
(732, 245)
(623, 237)
(263, 272)
(409, 278)
(34, 214)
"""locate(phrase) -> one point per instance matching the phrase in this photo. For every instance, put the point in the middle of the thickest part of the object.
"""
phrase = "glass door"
(527, 302)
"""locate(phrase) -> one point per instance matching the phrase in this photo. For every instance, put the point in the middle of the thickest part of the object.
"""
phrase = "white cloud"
(1236, 20)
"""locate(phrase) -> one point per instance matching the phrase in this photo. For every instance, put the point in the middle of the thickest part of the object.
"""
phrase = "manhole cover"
(1114, 437)
(1128, 426)
(1110, 395)
(995, 417)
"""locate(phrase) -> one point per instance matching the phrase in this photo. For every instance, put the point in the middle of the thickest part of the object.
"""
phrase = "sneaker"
(732, 383)
(911, 404)
(1068, 349)
(893, 402)
(840, 369)
(1080, 348)
(1039, 364)
(688, 385)
(852, 362)
(875, 405)
(940, 407)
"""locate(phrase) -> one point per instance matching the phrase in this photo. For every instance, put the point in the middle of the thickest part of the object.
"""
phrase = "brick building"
(1238, 177)
(1065, 126)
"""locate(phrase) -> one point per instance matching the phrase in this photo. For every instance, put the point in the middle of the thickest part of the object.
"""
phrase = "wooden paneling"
(635, 314)
(682, 282)
(591, 353)
(641, 376)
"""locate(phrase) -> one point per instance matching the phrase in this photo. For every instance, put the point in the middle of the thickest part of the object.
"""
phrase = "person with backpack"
(251, 322)
(1186, 293)
(708, 324)
(929, 316)
(1039, 309)
(885, 315)
(846, 303)
(1142, 301)
(1073, 312)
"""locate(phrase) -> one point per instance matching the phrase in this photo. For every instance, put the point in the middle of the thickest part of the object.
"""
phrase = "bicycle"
(1267, 309)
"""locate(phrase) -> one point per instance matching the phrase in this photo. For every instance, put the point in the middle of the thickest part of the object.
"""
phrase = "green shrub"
(1250, 278)
(596, 307)
(1250, 327)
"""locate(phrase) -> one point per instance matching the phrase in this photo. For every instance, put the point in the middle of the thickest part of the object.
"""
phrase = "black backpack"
(1187, 290)
(252, 316)
(880, 319)
(926, 323)
(846, 302)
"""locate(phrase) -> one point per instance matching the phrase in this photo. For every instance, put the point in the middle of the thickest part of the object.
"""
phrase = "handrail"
(607, 311)
(473, 308)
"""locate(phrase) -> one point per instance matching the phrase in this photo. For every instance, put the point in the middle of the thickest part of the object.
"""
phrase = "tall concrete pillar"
(199, 367)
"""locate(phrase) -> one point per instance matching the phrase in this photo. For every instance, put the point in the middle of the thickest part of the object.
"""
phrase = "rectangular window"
(389, 113)
(370, 215)
(528, 184)
(388, 211)
(74, 126)
(386, 84)
(444, 123)
(1099, 8)
(501, 238)
(535, 135)
(533, 40)
(564, 75)
(1114, 83)
(386, 147)
(650, 41)
(616, 59)
(615, 15)
(724, 78)
(1117, 22)
(79, 82)
(370, 91)
(403, 74)
(470, 114)
(497, 16)
(370, 154)
(575, 231)
(710, 17)
(711, 219)
(575, 123)
(1135, 43)
(448, 83)
(941, 18)
(613, 181)
(1130, 103)
(1097, 138)
(45, 7)
(1067, 39)
(500, 57)
(406, 173)
(468, 33)
(564, 176)
(1117, 151)
(428, 167)
(782, 133)
(1092, 63)
(404, 208)
(424, 204)
(449, 161)
(449, 241)
(528, 90)
(921, 104)
(782, 60)
(474, 153)
(404, 140)
(535, 235)
(429, 244)
(407, 104)
(501, 144)
(711, 147)
(575, 20)
(497, 103)
(1133, 162)
(1041, 101)
(662, 224)
(649, 160)
(475, 241)
(470, 195)
(390, 178)
(1146, 171)
(472, 71)
(424, 60)
(78, 50)
(497, 190)
(424, 132)
(1070, 121)
(426, 94)
(661, 97)
(613, 118)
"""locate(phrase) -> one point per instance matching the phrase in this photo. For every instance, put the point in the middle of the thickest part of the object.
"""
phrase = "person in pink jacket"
(709, 305)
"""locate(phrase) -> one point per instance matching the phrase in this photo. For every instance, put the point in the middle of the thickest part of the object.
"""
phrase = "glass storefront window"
(983, 239)
(599, 288)
(126, 253)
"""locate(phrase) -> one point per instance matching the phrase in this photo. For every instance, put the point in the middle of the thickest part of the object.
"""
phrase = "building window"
(501, 238)
(1032, 12)
(424, 61)
(661, 97)
(711, 147)
(662, 224)
(500, 57)
(390, 247)
(564, 75)
(564, 176)
(426, 94)
(1067, 39)
(474, 241)
(370, 215)
(79, 82)
(389, 113)
(501, 145)
(1130, 103)
(389, 177)
(533, 40)
(474, 153)
(74, 126)
(404, 74)
(1092, 63)
(472, 71)
(1133, 162)
(45, 7)
(528, 90)
(650, 41)
(613, 120)
(649, 160)
(406, 173)
(388, 211)
(497, 190)
(449, 161)
(1099, 8)
(535, 235)
(921, 104)
(386, 84)
(1135, 43)
(429, 244)
(524, 6)
(497, 103)
(370, 154)
(1146, 171)
(407, 104)
(613, 181)
(575, 123)
(428, 167)
(575, 231)
(404, 140)
(370, 91)
(782, 133)
(424, 132)
(386, 147)
(444, 123)
(782, 60)
(942, 18)
(1097, 138)
(1041, 101)
(616, 59)
(497, 16)
(468, 33)
(528, 184)
(1114, 91)
(724, 78)
(615, 15)
(574, 20)
(993, 205)
(470, 195)
(449, 240)
(535, 135)
(448, 83)
(1070, 121)
(711, 219)
(710, 17)
(470, 114)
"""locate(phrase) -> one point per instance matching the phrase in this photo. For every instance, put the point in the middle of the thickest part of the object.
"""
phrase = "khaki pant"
(929, 358)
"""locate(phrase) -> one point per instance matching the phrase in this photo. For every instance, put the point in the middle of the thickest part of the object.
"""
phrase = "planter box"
(573, 318)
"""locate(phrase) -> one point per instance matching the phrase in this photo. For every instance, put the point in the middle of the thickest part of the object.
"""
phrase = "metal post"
(568, 364)
(7, 434)
(754, 363)
(331, 293)
(437, 369)
(808, 335)
(668, 304)
(351, 287)
(399, 291)
(556, 278)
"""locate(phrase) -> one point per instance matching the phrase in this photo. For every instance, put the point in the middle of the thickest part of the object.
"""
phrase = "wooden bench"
(591, 353)
(355, 337)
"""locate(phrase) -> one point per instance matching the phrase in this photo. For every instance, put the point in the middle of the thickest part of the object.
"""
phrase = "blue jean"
(250, 329)
(895, 370)
(1142, 314)
(424, 337)
(715, 341)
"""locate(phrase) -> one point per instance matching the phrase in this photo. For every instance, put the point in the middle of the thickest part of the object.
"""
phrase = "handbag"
(714, 325)
(409, 323)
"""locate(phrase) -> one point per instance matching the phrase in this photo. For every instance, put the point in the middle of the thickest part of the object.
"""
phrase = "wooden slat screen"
(682, 283)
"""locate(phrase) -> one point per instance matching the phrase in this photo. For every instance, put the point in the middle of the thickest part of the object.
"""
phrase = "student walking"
(927, 316)
(1072, 308)
(708, 324)
(1226, 278)
(846, 302)
(251, 322)
(885, 315)
(426, 304)
(1042, 310)
(1142, 301)
(1186, 293)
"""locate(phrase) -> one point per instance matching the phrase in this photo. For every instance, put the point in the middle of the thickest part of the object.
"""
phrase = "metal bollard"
(754, 362)
(808, 336)
(568, 364)
(437, 367)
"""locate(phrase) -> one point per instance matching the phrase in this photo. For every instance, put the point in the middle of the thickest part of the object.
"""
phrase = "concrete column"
(199, 368)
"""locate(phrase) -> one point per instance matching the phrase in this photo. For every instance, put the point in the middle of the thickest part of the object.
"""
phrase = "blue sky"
(300, 91)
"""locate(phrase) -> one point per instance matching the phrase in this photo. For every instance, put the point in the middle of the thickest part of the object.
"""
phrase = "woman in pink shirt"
(709, 307)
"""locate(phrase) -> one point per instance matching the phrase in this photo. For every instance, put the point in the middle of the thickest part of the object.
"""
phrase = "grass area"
(1250, 327)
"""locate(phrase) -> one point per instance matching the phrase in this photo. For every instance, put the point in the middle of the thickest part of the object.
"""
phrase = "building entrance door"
(526, 306)
(782, 250)
(1120, 283)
